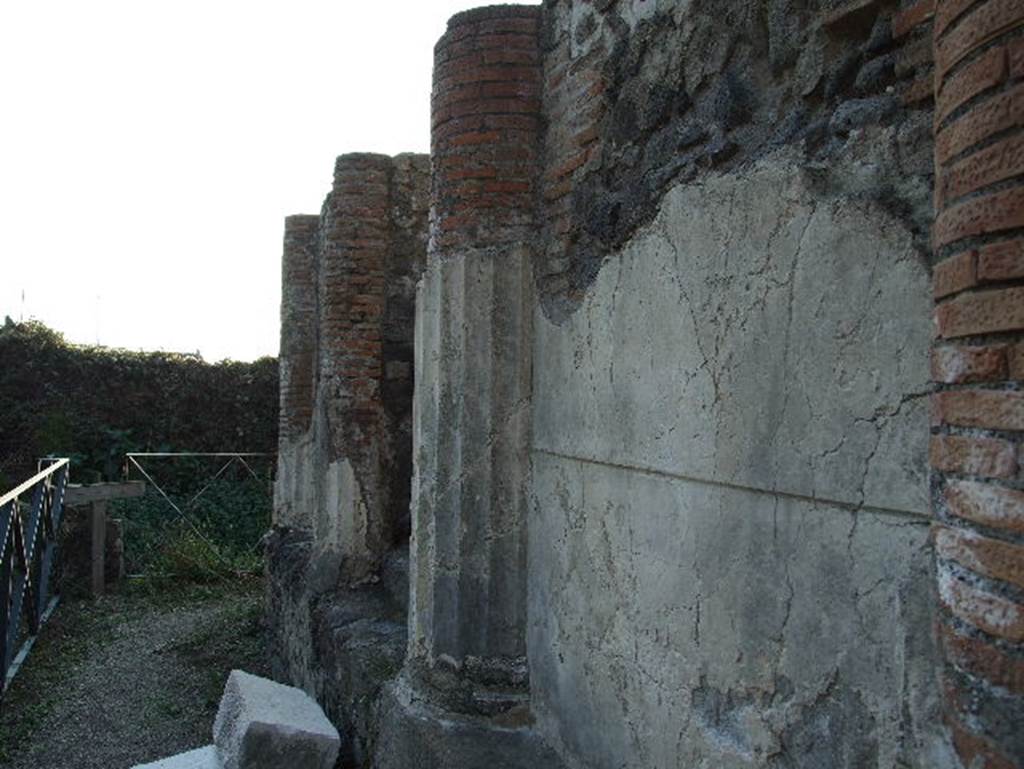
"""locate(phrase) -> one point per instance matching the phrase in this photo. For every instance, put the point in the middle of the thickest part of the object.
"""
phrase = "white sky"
(149, 152)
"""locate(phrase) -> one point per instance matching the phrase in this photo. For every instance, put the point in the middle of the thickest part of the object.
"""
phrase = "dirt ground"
(130, 678)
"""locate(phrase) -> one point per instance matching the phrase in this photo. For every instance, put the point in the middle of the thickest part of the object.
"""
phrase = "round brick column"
(485, 112)
(355, 232)
(978, 367)
(297, 364)
(298, 325)
(473, 337)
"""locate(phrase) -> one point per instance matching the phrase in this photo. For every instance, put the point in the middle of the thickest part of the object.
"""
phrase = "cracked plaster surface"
(728, 541)
(755, 335)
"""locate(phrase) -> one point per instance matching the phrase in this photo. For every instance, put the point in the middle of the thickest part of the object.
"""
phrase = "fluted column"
(473, 340)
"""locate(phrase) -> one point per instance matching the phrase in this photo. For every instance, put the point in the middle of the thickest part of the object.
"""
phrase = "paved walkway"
(130, 678)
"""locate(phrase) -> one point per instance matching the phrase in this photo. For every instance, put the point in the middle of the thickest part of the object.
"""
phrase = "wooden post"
(98, 515)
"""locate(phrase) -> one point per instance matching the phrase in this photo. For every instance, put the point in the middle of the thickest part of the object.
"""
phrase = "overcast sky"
(149, 152)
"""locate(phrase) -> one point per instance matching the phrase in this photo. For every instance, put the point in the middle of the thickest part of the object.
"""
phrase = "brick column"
(355, 241)
(473, 336)
(297, 363)
(978, 367)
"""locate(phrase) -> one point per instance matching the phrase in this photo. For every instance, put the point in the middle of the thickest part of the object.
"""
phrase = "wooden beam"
(83, 495)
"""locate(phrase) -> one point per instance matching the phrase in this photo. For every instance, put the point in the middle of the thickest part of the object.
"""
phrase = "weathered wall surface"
(671, 426)
(641, 95)
(729, 544)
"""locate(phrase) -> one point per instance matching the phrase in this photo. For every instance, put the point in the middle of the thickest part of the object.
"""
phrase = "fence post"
(98, 516)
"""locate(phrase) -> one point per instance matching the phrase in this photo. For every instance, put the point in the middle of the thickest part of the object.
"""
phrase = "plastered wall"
(730, 533)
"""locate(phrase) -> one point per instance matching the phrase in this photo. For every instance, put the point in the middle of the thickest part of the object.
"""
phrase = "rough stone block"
(264, 725)
(201, 758)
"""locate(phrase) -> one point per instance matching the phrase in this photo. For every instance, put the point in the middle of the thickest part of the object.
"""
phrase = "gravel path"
(129, 679)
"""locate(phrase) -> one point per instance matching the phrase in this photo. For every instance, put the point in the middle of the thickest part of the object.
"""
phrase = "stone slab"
(201, 758)
(262, 724)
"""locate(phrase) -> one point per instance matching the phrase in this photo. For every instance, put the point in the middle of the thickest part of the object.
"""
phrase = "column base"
(418, 731)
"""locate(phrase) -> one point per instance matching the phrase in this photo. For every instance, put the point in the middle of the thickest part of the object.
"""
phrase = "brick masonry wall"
(352, 299)
(485, 117)
(978, 366)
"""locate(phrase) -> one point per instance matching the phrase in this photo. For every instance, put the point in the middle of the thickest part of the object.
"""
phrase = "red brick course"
(982, 555)
(976, 752)
(983, 312)
(988, 457)
(1001, 161)
(992, 409)
(1002, 111)
(485, 114)
(983, 660)
(954, 274)
(1001, 261)
(949, 11)
(952, 364)
(979, 294)
(985, 503)
(991, 613)
(993, 213)
(984, 22)
(986, 72)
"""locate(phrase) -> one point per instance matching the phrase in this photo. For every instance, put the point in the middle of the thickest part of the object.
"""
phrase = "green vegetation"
(218, 536)
(94, 404)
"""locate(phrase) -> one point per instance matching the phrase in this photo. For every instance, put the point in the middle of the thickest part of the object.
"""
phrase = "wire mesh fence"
(201, 518)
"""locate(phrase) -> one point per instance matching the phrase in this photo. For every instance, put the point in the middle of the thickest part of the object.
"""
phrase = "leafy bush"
(219, 533)
(94, 404)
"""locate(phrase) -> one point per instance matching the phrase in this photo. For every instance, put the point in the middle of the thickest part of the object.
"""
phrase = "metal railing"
(28, 547)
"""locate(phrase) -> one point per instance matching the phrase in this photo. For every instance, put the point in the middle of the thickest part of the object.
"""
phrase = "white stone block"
(203, 758)
(266, 725)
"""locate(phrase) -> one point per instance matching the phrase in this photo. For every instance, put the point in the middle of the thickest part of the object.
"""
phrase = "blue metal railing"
(28, 546)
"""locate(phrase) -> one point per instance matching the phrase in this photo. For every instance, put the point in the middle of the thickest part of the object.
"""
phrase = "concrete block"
(202, 758)
(264, 725)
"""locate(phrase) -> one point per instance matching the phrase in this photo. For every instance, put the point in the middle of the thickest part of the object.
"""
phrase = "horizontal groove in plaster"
(912, 516)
